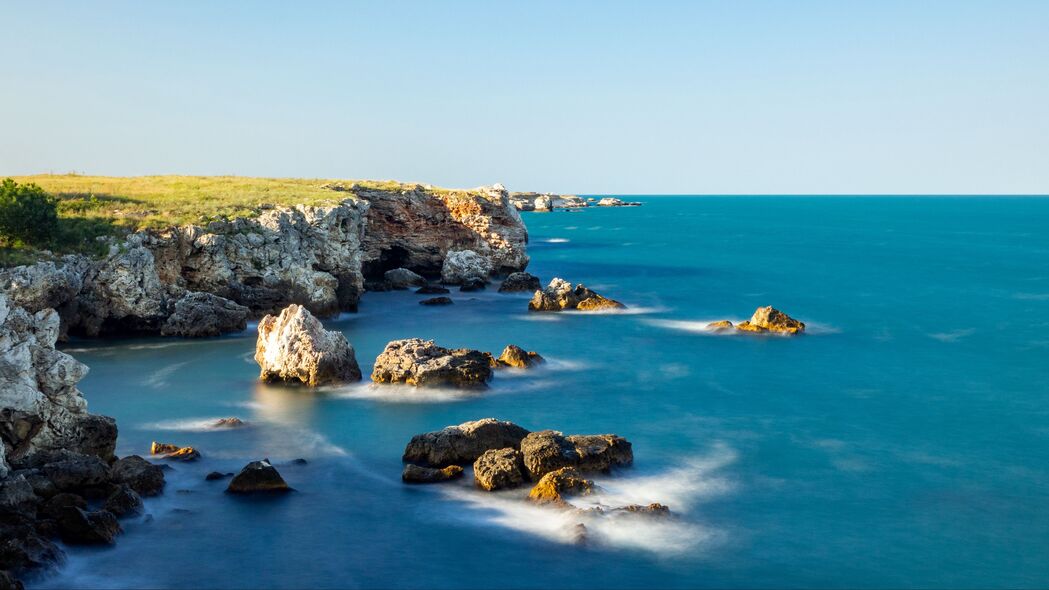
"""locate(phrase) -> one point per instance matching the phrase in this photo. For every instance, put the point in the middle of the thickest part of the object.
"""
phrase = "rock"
(720, 326)
(463, 444)
(140, 475)
(162, 448)
(560, 295)
(54, 506)
(124, 501)
(498, 469)
(472, 285)
(517, 357)
(9, 582)
(423, 363)
(769, 319)
(22, 549)
(228, 423)
(543, 203)
(546, 451)
(199, 315)
(16, 495)
(557, 485)
(464, 265)
(217, 475)
(258, 477)
(432, 290)
(402, 278)
(87, 476)
(614, 202)
(520, 282)
(174, 452)
(416, 474)
(436, 301)
(654, 509)
(295, 347)
(79, 527)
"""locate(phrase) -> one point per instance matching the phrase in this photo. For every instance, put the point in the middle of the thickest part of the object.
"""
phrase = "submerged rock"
(216, 475)
(228, 423)
(422, 363)
(517, 357)
(498, 469)
(463, 444)
(402, 278)
(198, 315)
(770, 319)
(557, 485)
(472, 285)
(432, 290)
(518, 282)
(416, 474)
(720, 325)
(559, 295)
(258, 477)
(465, 265)
(294, 346)
(140, 475)
(436, 301)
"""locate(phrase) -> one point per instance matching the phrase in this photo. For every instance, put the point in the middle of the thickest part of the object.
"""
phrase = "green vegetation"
(27, 215)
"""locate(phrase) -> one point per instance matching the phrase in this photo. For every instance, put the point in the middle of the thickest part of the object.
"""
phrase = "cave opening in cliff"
(389, 259)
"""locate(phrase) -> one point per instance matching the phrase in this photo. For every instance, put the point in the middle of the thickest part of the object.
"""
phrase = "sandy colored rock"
(601, 452)
(464, 443)
(498, 469)
(517, 357)
(720, 325)
(557, 485)
(559, 295)
(416, 474)
(295, 347)
(772, 320)
(422, 363)
(545, 451)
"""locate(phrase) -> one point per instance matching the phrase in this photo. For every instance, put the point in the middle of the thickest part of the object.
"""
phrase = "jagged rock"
(432, 290)
(555, 486)
(22, 549)
(257, 477)
(463, 266)
(614, 202)
(560, 295)
(78, 473)
(463, 444)
(549, 450)
(498, 469)
(54, 506)
(174, 452)
(437, 301)
(79, 527)
(654, 509)
(198, 315)
(16, 494)
(217, 475)
(124, 501)
(46, 284)
(520, 282)
(422, 363)
(472, 285)
(543, 203)
(720, 325)
(416, 474)
(140, 475)
(517, 357)
(294, 346)
(769, 319)
(228, 423)
(9, 582)
(402, 278)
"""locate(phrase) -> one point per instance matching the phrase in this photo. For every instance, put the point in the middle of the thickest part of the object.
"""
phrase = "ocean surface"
(902, 441)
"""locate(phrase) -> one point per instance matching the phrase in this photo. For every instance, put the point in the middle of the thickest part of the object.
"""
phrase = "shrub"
(28, 215)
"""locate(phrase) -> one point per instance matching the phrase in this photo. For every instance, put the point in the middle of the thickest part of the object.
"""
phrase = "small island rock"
(560, 295)
(770, 319)
(422, 363)
(257, 477)
(517, 357)
(464, 443)
(518, 282)
(294, 346)
(555, 486)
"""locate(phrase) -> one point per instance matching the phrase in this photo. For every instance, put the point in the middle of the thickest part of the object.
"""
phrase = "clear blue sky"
(637, 97)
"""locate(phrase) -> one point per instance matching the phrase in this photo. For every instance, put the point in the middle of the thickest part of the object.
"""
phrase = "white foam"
(158, 379)
(694, 326)
(189, 425)
(629, 310)
(540, 317)
(1032, 296)
(557, 240)
(952, 336)
(401, 394)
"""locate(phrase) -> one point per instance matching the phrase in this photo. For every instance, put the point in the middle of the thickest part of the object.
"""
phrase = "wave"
(401, 394)
(630, 310)
(159, 379)
(953, 335)
(557, 240)
(189, 425)
(539, 317)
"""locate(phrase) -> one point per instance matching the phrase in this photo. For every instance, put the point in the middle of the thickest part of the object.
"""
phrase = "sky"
(732, 97)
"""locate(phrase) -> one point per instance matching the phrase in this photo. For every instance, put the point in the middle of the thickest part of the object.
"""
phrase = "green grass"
(93, 206)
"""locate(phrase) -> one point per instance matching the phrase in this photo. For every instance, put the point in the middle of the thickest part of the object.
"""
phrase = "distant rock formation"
(765, 319)
(295, 347)
(545, 201)
(614, 202)
(422, 363)
(559, 295)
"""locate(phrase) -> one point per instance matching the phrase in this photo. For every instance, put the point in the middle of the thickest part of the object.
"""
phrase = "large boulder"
(519, 282)
(402, 278)
(463, 444)
(80, 527)
(548, 450)
(557, 485)
(295, 347)
(422, 363)
(416, 474)
(140, 475)
(258, 477)
(465, 265)
(601, 452)
(498, 469)
(87, 476)
(123, 501)
(560, 295)
(770, 319)
(198, 315)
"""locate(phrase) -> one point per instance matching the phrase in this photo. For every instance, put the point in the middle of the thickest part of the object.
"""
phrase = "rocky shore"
(549, 202)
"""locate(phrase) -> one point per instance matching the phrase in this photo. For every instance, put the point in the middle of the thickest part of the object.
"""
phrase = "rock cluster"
(765, 319)
(614, 202)
(545, 201)
(295, 347)
(422, 363)
(559, 295)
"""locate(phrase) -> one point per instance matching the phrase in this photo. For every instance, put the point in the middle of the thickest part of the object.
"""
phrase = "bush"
(28, 215)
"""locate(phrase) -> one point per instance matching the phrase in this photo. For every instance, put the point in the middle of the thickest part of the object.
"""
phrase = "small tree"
(27, 214)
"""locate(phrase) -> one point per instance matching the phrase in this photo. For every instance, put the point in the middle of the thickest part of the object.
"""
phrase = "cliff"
(318, 256)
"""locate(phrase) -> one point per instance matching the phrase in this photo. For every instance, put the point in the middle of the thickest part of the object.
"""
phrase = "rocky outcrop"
(720, 326)
(520, 282)
(258, 477)
(402, 278)
(559, 295)
(548, 450)
(545, 201)
(517, 357)
(174, 452)
(463, 266)
(557, 485)
(198, 315)
(463, 444)
(498, 469)
(422, 363)
(765, 319)
(295, 347)
(140, 475)
(614, 202)
(416, 474)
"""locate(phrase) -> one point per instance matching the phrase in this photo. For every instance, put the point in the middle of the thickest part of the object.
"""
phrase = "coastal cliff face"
(314, 256)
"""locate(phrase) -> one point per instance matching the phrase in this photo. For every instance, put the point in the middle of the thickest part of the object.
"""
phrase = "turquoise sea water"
(903, 441)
